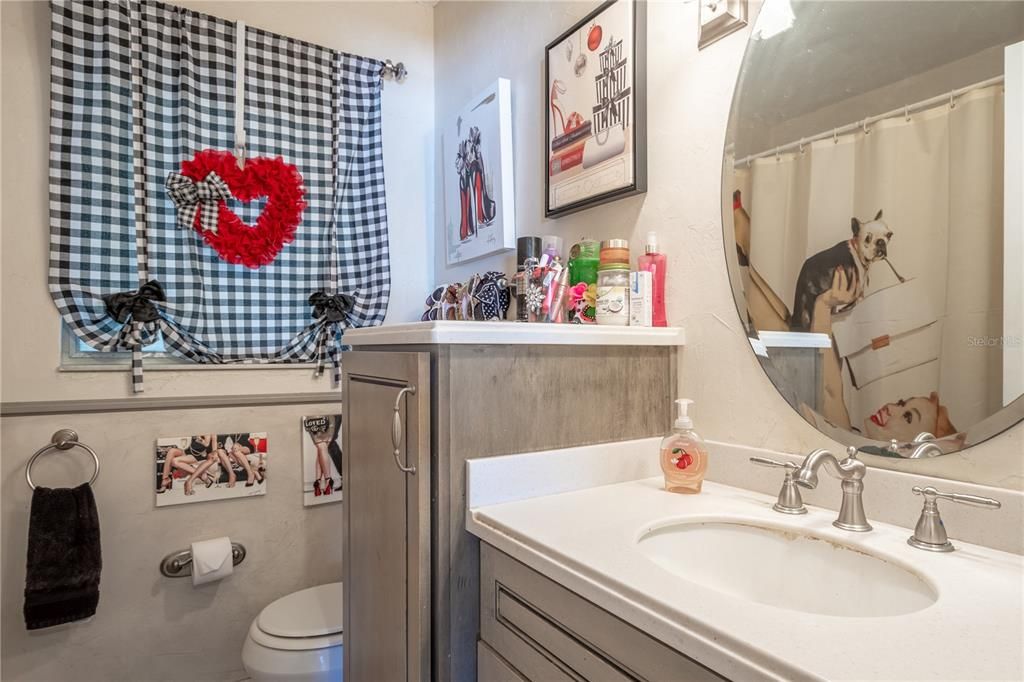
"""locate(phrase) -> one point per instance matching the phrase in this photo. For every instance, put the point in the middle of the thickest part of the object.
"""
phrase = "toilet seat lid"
(313, 612)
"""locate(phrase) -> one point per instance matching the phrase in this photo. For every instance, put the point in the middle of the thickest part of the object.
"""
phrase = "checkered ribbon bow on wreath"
(198, 198)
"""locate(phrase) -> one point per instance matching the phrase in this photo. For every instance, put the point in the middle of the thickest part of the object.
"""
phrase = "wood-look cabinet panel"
(509, 399)
(492, 667)
(548, 632)
(386, 531)
(501, 400)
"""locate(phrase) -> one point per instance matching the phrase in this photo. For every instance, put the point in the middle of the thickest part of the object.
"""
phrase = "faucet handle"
(767, 462)
(961, 498)
(790, 501)
(930, 532)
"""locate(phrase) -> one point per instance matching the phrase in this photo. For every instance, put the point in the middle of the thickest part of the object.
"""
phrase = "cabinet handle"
(396, 429)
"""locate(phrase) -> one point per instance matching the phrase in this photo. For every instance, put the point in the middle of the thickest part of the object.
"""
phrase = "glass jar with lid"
(613, 294)
(615, 251)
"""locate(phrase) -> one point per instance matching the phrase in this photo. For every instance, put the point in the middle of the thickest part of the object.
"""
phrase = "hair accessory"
(483, 297)
(442, 303)
(493, 295)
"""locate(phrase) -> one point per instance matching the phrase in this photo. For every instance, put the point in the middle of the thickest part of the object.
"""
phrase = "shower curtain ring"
(835, 136)
(864, 127)
(952, 100)
(800, 145)
(777, 157)
(906, 112)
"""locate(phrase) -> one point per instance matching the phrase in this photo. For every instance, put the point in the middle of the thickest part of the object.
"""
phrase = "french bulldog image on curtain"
(869, 244)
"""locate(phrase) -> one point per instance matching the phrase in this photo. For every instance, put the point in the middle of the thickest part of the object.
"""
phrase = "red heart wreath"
(234, 241)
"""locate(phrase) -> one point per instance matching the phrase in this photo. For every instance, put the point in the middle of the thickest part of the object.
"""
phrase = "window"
(76, 354)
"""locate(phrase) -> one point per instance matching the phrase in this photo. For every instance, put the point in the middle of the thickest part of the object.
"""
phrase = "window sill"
(158, 366)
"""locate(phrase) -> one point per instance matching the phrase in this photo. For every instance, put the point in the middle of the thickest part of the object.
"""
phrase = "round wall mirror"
(873, 197)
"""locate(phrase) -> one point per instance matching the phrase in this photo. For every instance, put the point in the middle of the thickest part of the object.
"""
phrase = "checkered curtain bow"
(197, 198)
(139, 306)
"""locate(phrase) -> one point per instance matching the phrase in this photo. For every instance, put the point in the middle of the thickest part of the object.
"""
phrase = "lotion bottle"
(684, 457)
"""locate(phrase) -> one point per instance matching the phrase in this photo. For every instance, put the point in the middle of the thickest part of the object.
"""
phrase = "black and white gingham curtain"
(139, 87)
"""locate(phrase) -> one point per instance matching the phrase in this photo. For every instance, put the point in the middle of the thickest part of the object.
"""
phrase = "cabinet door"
(387, 516)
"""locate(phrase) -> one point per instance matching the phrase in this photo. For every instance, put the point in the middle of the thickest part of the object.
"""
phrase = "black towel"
(62, 578)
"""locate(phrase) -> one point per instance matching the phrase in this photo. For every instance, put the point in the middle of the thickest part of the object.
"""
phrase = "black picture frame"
(638, 128)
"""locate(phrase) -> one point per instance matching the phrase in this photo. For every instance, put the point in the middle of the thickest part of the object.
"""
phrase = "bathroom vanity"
(482, 389)
(611, 577)
(547, 632)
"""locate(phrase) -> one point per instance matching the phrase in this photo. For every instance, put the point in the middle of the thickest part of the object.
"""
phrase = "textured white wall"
(30, 335)
(148, 627)
(689, 96)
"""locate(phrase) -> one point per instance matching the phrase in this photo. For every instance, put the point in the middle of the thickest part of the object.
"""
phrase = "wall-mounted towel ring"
(65, 439)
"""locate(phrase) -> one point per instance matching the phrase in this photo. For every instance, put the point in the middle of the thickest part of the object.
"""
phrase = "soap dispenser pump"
(684, 457)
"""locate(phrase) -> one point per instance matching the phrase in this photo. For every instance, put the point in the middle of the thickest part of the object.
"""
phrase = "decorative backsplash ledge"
(887, 494)
(457, 332)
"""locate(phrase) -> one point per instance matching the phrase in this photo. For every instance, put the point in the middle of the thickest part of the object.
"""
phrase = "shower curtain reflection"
(905, 330)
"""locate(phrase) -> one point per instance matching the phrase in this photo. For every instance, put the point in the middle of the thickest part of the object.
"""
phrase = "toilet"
(297, 638)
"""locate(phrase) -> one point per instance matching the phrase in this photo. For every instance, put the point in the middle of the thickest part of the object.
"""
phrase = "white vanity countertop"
(417, 333)
(587, 541)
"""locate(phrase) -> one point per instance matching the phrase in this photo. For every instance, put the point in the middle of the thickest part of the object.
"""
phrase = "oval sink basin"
(786, 569)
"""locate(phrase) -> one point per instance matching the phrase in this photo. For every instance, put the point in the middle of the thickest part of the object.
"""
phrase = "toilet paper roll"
(211, 560)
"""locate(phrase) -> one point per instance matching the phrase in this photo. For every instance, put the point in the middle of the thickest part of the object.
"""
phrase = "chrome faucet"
(851, 472)
(919, 448)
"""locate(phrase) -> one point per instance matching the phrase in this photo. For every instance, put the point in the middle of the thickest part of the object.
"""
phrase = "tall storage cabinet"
(386, 472)
(494, 389)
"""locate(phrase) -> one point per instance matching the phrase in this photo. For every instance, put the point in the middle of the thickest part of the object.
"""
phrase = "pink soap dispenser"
(655, 263)
(684, 457)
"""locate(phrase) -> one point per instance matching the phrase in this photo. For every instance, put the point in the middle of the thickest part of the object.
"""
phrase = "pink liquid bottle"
(655, 263)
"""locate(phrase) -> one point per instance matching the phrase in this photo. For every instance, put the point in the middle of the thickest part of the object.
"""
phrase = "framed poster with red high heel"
(321, 459)
(479, 191)
(596, 118)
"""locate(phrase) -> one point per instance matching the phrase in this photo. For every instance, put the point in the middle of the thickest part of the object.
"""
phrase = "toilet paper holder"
(179, 564)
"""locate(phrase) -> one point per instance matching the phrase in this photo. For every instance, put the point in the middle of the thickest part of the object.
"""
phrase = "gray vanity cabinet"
(482, 401)
(532, 628)
(387, 517)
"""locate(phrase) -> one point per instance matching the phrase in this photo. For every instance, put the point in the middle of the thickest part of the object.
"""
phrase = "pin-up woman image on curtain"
(765, 310)
(902, 419)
